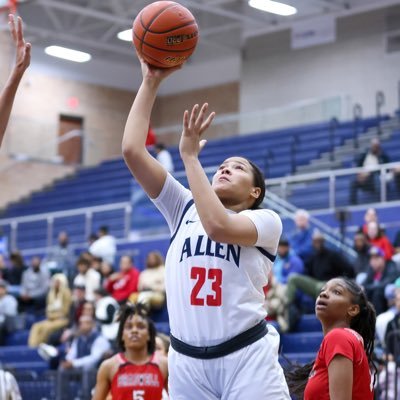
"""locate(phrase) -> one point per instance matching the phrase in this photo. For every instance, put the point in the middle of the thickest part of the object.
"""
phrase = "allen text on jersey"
(204, 246)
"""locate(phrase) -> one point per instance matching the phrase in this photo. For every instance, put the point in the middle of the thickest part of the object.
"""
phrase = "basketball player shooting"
(222, 248)
(22, 61)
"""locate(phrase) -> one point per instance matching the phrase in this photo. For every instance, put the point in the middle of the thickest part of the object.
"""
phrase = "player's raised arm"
(146, 170)
(233, 185)
(23, 58)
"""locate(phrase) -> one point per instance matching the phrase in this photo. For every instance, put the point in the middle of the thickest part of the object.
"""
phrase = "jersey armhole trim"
(265, 253)
(185, 210)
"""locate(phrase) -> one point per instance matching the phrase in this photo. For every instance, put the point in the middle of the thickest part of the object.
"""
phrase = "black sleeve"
(389, 337)
(384, 158)
(110, 310)
(110, 313)
(360, 159)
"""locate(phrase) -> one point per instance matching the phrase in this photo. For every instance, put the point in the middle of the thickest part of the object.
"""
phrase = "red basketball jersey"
(137, 382)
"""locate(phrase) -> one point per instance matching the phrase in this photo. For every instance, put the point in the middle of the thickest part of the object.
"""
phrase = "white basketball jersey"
(214, 290)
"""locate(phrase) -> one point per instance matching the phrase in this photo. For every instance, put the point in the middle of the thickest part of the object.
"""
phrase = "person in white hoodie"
(106, 310)
(87, 277)
(105, 246)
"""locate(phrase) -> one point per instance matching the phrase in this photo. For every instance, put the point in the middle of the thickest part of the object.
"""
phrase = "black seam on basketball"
(193, 22)
(152, 58)
(166, 50)
(151, 21)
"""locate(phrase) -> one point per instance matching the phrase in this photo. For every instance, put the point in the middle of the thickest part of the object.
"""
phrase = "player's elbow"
(127, 149)
(130, 154)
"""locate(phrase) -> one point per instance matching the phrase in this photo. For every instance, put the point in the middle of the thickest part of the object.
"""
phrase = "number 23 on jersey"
(200, 275)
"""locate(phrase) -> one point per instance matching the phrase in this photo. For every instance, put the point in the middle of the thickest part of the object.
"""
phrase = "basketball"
(165, 34)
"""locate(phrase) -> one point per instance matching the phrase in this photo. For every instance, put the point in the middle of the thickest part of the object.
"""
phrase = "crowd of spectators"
(75, 300)
(305, 262)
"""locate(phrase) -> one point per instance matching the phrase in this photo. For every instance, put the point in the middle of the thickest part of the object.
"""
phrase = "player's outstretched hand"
(155, 74)
(193, 127)
(23, 54)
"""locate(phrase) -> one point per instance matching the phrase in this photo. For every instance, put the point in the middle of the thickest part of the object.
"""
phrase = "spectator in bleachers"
(301, 239)
(325, 264)
(377, 238)
(151, 284)
(34, 287)
(8, 310)
(61, 257)
(105, 246)
(96, 264)
(87, 277)
(361, 247)
(125, 282)
(17, 267)
(392, 336)
(389, 376)
(105, 312)
(162, 343)
(380, 273)
(151, 138)
(366, 179)
(76, 310)
(106, 270)
(369, 216)
(384, 318)
(87, 348)
(92, 238)
(164, 157)
(286, 262)
(22, 61)
(89, 308)
(57, 310)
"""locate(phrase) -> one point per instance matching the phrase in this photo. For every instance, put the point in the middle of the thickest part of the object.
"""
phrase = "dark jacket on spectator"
(375, 288)
(328, 264)
(392, 337)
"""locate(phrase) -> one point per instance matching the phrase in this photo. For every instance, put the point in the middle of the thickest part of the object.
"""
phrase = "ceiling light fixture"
(67, 54)
(125, 35)
(273, 7)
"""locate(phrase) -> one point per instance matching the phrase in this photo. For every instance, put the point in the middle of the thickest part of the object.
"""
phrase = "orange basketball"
(165, 33)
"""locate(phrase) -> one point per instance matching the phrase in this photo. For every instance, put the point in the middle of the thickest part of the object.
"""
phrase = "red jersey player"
(137, 373)
(342, 367)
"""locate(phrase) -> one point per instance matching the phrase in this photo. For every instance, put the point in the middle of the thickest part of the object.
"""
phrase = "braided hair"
(127, 312)
(363, 323)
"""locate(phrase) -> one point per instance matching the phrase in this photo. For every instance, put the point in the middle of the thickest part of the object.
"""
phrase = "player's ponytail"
(296, 378)
(365, 321)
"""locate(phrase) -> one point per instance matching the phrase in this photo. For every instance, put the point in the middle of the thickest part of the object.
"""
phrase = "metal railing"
(331, 235)
(282, 185)
(50, 217)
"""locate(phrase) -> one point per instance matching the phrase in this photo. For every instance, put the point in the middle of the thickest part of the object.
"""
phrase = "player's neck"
(137, 356)
(327, 327)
